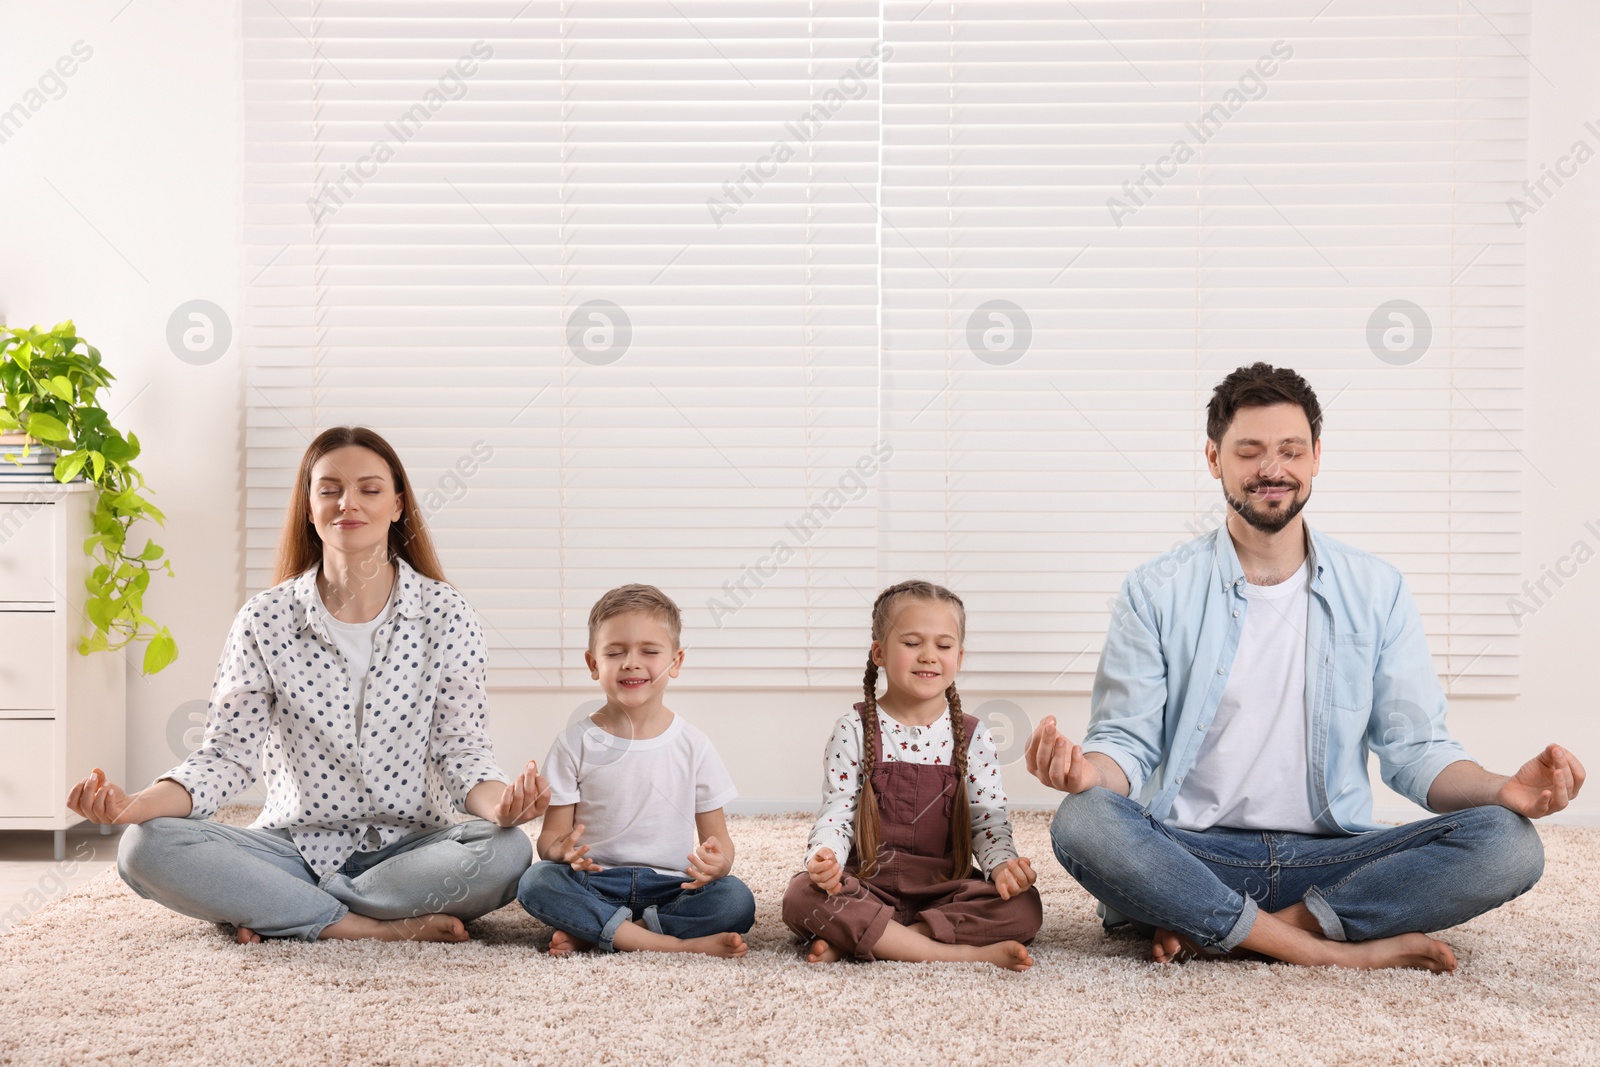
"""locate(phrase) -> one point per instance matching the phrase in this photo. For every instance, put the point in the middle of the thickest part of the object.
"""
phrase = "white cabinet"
(61, 714)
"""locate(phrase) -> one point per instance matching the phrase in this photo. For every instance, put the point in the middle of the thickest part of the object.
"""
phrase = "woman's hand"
(825, 872)
(706, 864)
(524, 800)
(104, 802)
(1014, 877)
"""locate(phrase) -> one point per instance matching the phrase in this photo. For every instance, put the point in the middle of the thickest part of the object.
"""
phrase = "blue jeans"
(255, 877)
(591, 905)
(1210, 885)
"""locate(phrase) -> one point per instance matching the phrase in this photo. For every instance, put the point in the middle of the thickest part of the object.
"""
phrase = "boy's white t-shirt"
(1253, 769)
(637, 799)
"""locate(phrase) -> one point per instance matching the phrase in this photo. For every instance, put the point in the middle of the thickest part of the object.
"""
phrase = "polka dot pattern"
(282, 706)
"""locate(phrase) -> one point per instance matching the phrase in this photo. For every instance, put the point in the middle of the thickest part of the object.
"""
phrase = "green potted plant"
(51, 380)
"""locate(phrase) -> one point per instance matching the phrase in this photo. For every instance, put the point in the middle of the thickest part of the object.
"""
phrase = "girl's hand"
(1013, 877)
(101, 801)
(706, 864)
(825, 872)
(525, 799)
(571, 853)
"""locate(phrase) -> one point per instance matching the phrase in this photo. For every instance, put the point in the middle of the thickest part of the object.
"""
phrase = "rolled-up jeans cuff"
(624, 914)
(652, 920)
(1323, 912)
(1242, 928)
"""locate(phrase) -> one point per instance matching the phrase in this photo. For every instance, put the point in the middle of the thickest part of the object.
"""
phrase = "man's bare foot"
(1168, 947)
(435, 927)
(1417, 951)
(822, 952)
(564, 944)
(247, 936)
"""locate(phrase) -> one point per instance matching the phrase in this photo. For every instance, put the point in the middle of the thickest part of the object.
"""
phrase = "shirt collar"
(1231, 574)
(308, 612)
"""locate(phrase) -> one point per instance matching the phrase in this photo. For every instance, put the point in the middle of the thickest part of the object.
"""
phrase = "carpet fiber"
(104, 977)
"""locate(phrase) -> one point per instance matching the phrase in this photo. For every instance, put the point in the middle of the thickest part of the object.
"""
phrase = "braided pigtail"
(868, 828)
(961, 815)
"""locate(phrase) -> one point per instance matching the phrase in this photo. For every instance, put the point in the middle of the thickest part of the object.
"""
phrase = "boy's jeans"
(591, 905)
(257, 878)
(1209, 885)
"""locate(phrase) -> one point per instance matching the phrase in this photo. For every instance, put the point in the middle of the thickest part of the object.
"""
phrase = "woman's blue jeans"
(1210, 885)
(592, 905)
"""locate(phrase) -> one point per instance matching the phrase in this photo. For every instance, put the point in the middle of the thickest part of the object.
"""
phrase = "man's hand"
(524, 800)
(101, 801)
(706, 864)
(1545, 784)
(1013, 877)
(825, 872)
(1059, 763)
(567, 850)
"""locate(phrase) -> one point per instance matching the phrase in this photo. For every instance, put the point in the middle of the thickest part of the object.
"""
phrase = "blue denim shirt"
(1370, 681)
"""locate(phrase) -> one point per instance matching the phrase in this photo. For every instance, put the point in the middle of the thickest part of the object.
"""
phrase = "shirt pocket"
(1352, 672)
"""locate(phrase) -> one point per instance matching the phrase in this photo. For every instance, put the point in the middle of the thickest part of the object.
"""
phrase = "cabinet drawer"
(27, 659)
(27, 551)
(27, 765)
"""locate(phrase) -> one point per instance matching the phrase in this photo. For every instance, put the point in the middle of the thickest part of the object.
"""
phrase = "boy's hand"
(1013, 877)
(573, 854)
(525, 799)
(825, 872)
(706, 864)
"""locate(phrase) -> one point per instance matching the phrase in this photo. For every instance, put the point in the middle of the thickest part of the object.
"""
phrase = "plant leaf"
(60, 386)
(99, 462)
(151, 551)
(161, 651)
(68, 466)
(45, 427)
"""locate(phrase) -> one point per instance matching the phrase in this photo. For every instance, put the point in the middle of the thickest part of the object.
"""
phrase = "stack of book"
(37, 466)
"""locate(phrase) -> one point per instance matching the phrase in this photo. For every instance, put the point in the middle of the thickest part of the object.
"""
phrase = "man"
(1244, 679)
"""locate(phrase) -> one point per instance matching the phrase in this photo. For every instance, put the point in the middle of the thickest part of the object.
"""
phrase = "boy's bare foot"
(564, 944)
(822, 952)
(633, 938)
(436, 927)
(247, 936)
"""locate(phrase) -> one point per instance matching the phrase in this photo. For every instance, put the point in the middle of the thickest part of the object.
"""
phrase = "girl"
(357, 682)
(911, 793)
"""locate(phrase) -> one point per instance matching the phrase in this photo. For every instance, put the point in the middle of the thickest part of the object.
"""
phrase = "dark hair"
(869, 831)
(645, 598)
(1260, 385)
(301, 546)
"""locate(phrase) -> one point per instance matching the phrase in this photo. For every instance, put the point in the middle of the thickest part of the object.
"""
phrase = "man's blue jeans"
(592, 905)
(1209, 886)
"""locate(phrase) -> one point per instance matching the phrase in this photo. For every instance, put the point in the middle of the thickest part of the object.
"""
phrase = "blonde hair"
(869, 830)
(636, 597)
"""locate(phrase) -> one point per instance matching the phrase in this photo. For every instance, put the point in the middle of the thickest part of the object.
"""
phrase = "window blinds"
(774, 303)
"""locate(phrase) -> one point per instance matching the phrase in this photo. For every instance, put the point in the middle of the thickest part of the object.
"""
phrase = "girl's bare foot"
(435, 927)
(822, 952)
(1011, 955)
(247, 936)
(564, 944)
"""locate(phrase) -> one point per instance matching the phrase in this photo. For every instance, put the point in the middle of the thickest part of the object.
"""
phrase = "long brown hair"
(869, 830)
(300, 546)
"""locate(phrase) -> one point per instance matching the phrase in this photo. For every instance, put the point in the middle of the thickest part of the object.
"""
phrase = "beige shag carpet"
(103, 977)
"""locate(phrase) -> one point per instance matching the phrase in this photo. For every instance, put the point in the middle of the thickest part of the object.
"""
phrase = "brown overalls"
(912, 883)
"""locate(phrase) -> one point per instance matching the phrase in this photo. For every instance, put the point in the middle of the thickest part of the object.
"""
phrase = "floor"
(30, 876)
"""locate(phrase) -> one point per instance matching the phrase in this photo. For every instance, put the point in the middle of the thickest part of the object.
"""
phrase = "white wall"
(145, 144)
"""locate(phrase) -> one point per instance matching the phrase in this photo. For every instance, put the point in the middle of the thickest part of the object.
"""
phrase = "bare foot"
(822, 952)
(247, 936)
(564, 944)
(1011, 955)
(633, 938)
(422, 928)
(1168, 947)
(1417, 951)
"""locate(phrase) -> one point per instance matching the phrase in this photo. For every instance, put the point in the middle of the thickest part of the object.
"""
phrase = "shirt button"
(1221, 671)
(1236, 613)
(1199, 726)
(1179, 781)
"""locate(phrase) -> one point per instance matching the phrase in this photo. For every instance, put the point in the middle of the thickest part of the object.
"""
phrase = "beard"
(1272, 520)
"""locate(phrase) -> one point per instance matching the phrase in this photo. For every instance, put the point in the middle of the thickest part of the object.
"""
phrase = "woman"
(358, 680)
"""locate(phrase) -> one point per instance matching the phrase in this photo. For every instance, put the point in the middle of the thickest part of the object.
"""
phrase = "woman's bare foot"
(822, 952)
(247, 936)
(564, 944)
(422, 928)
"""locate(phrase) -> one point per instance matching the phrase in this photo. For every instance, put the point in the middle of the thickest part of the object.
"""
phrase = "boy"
(645, 786)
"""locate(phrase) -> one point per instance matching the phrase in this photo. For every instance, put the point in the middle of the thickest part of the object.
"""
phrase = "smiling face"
(920, 651)
(633, 656)
(1266, 460)
(354, 501)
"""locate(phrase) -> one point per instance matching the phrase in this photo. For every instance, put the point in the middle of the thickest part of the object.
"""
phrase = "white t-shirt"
(355, 641)
(637, 799)
(1252, 771)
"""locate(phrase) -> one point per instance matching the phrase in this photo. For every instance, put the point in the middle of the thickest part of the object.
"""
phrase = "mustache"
(1272, 484)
